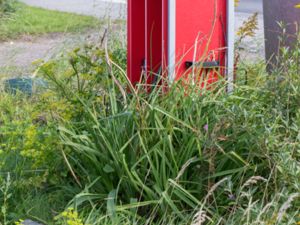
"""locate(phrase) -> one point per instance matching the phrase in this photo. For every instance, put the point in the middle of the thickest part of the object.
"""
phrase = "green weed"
(184, 155)
(27, 20)
(112, 154)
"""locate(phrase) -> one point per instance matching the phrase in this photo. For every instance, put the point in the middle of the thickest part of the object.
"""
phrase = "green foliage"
(112, 154)
(30, 150)
(29, 20)
(187, 154)
(68, 217)
(5, 192)
(6, 6)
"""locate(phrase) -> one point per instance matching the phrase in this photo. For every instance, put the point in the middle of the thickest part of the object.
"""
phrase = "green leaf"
(111, 204)
(108, 169)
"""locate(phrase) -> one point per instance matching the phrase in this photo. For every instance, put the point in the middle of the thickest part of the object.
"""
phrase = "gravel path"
(17, 55)
(23, 51)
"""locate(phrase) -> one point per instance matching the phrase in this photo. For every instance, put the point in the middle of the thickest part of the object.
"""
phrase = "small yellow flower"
(70, 216)
(20, 222)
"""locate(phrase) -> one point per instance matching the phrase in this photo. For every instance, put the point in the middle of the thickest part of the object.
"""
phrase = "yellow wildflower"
(20, 222)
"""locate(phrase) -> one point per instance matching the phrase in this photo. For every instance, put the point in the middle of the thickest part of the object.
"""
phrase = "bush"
(30, 153)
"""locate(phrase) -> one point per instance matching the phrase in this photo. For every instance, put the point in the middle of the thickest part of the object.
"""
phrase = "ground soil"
(18, 55)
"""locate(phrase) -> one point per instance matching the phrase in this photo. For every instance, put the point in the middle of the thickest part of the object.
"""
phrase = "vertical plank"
(136, 39)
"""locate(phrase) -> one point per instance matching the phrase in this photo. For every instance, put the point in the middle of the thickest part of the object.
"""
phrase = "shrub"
(30, 151)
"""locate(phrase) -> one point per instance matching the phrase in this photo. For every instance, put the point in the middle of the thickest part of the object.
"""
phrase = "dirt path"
(23, 51)
(16, 56)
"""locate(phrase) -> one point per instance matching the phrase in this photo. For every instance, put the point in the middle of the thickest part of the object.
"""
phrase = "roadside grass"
(14, 71)
(31, 167)
(185, 156)
(6, 71)
(99, 152)
(27, 20)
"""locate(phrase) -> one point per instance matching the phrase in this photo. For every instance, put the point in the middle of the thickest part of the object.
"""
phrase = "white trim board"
(171, 39)
(230, 45)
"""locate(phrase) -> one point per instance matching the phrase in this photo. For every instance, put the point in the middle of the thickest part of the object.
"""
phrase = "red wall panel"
(200, 33)
(203, 21)
(154, 43)
(136, 39)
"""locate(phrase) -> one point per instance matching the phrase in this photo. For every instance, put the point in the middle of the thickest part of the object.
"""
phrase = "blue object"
(25, 85)
(19, 85)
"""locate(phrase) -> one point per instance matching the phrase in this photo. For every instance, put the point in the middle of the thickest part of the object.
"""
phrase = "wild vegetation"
(91, 149)
(6, 6)
(17, 19)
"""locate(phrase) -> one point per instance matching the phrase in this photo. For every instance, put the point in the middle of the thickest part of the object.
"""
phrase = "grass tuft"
(27, 20)
(109, 154)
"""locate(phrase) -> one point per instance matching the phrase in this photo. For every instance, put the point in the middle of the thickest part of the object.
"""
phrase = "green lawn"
(29, 20)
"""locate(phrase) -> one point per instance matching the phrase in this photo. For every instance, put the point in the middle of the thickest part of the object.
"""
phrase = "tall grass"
(184, 156)
(17, 19)
(6, 6)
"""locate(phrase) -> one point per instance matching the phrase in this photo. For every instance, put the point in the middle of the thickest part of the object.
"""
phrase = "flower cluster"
(69, 217)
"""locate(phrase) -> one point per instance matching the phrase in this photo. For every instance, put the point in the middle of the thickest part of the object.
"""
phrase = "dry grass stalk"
(184, 167)
(286, 206)
(253, 180)
(200, 218)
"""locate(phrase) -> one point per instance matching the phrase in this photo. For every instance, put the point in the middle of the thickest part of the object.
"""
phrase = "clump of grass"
(6, 6)
(181, 156)
(27, 20)
(115, 154)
